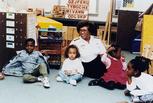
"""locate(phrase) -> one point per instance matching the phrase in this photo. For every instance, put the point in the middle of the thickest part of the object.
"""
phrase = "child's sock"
(59, 79)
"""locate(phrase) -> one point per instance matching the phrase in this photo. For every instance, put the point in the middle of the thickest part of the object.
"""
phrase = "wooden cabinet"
(50, 42)
(126, 28)
(13, 33)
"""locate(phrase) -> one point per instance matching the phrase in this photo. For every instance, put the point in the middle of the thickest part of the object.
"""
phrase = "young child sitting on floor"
(30, 64)
(139, 84)
(115, 77)
(72, 69)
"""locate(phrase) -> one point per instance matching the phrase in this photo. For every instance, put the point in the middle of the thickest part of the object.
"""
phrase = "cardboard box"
(58, 11)
(148, 53)
(151, 68)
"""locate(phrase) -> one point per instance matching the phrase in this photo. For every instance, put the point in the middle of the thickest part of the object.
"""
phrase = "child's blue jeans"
(67, 78)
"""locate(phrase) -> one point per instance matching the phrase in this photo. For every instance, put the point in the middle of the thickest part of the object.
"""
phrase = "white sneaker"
(40, 79)
(73, 82)
(135, 99)
(45, 82)
(59, 79)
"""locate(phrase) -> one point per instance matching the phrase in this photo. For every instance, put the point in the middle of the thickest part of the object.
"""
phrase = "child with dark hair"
(30, 64)
(72, 69)
(139, 84)
(115, 77)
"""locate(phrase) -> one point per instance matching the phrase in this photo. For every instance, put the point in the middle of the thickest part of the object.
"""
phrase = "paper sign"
(10, 23)
(9, 37)
(10, 30)
(9, 45)
(10, 16)
(77, 9)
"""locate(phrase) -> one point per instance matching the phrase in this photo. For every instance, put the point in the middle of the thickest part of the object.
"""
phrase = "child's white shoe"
(45, 82)
(73, 82)
(59, 79)
(135, 99)
(40, 79)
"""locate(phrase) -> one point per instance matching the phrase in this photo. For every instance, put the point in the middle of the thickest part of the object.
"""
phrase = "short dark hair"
(91, 27)
(68, 48)
(117, 47)
(140, 64)
(29, 40)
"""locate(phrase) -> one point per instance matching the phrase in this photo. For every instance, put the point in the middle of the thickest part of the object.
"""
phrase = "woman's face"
(84, 33)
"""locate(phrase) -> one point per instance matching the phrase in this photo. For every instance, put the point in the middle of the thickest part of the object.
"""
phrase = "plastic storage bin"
(136, 45)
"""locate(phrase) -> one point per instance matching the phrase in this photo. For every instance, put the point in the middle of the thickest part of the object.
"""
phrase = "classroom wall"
(103, 9)
(46, 4)
(18, 4)
(143, 5)
(103, 6)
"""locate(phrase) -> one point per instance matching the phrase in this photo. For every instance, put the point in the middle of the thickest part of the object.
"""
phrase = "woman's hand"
(110, 49)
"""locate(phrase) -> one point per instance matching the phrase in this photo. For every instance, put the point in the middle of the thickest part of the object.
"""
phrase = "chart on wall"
(77, 9)
(124, 4)
(90, 6)
(134, 5)
(128, 3)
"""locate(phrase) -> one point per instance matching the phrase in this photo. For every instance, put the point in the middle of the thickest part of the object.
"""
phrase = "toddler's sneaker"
(45, 82)
(136, 99)
(73, 82)
(59, 79)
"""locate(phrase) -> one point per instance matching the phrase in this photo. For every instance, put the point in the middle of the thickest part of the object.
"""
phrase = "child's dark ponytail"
(144, 63)
(141, 64)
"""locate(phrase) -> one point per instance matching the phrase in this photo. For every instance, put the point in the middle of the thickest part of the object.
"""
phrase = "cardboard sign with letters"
(77, 9)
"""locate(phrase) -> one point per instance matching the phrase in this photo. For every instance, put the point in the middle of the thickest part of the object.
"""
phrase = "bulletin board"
(147, 31)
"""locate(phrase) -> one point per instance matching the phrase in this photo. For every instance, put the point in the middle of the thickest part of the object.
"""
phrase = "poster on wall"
(77, 9)
(133, 5)
(128, 3)
(124, 4)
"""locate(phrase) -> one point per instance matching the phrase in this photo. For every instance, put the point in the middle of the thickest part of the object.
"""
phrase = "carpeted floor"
(13, 90)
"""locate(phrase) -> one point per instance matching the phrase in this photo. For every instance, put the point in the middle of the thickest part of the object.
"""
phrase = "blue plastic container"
(136, 45)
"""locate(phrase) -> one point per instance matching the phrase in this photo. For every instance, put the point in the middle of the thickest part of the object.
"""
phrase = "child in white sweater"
(139, 84)
(72, 69)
